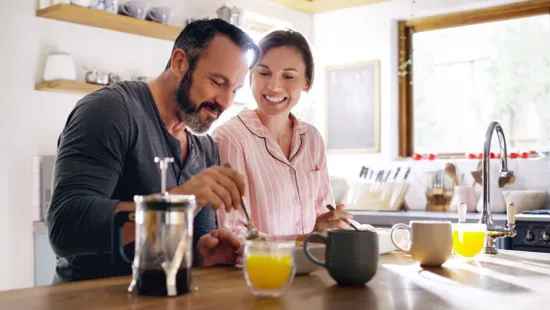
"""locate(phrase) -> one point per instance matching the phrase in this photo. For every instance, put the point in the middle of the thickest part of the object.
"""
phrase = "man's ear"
(179, 63)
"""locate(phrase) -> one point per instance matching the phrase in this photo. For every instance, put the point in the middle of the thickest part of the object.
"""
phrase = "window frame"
(406, 28)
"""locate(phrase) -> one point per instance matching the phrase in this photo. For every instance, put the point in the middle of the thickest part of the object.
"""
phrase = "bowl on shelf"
(543, 153)
(525, 200)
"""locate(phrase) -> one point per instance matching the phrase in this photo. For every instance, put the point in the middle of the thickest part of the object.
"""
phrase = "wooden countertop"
(509, 280)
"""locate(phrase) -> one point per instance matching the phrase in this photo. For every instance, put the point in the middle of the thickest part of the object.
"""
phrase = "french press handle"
(119, 257)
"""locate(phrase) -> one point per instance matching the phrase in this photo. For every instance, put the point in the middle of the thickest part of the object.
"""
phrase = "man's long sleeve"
(89, 163)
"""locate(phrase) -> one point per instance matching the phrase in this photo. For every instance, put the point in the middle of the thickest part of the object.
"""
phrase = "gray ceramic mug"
(351, 256)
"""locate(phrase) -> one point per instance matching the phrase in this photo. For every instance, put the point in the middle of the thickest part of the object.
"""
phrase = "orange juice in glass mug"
(468, 239)
(268, 266)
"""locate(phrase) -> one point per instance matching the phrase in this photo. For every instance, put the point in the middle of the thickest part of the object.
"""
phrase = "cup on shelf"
(160, 14)
(134, 8)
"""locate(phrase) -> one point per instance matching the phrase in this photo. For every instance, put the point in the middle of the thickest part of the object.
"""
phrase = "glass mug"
(469, 239)
(268, 266)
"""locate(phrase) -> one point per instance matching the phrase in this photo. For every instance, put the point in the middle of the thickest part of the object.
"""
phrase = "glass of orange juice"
(469, 239)
(268, 266)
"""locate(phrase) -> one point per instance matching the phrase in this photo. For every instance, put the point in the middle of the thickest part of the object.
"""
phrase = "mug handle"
(117, 248)
(392, 237)
(308, 253)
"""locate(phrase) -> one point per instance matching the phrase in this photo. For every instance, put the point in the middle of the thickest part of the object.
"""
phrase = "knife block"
(439, 192)
(370, 196)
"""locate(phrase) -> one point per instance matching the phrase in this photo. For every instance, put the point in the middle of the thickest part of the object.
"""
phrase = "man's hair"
(197, 35)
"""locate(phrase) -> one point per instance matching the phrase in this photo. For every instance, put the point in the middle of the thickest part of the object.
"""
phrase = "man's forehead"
(224, 57)
(222, 45)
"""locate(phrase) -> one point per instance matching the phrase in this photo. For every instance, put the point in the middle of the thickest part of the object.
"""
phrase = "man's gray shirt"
(105, 155)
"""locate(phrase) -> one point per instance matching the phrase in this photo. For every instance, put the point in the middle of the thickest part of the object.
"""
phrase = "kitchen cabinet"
(44, 257)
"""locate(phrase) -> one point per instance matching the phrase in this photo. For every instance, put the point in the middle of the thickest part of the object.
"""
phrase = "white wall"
(30, 121)
(370, 33)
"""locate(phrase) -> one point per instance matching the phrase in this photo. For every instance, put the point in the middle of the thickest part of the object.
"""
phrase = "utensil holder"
(380, 197)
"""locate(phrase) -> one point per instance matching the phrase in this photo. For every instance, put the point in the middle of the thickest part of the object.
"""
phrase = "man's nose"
(225, 99)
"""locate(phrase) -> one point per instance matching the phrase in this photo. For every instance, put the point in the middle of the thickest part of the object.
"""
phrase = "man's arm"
(90, 161)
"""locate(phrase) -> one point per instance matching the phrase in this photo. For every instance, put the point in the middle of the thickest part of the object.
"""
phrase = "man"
(106, 152)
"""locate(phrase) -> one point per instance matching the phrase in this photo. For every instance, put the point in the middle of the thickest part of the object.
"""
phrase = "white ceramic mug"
(431, 242)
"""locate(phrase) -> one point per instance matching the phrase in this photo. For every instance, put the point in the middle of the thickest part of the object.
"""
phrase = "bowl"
(303, 264)
(525, 200)
(543, 153)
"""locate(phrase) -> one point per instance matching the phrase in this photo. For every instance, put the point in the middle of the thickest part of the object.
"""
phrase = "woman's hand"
(332, 219)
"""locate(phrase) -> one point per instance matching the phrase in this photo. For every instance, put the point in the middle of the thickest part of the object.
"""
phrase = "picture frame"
(352, 107)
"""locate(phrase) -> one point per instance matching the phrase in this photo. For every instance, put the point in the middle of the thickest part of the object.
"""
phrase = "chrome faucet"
(493, 231)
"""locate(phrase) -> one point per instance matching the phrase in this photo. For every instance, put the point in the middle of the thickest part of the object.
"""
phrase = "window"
(471, 68)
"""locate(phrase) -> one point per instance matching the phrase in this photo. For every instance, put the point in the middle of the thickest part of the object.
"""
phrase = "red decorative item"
(479, 155)
(432, 156)
(525, 155)
(417, 156)
(471, 156)
(513, 155)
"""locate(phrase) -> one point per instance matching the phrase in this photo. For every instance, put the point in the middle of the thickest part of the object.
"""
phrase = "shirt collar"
(252, 122)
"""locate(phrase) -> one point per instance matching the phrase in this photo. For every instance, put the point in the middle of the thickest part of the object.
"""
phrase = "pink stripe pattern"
(283, 196)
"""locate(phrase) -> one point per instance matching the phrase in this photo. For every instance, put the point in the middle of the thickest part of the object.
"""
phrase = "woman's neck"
(278, 125)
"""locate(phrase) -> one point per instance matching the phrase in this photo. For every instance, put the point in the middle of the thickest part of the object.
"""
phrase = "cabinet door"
(44, 260)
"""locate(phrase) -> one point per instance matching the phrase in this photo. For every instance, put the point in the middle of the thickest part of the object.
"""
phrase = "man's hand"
(220, 247)
(332, 219)
(216, 186)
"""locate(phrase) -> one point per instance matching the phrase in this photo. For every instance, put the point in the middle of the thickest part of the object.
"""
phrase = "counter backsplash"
(530, 174)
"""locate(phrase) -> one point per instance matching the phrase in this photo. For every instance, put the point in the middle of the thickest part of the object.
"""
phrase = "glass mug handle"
(392, 236)
(119, 257)
(308, 253)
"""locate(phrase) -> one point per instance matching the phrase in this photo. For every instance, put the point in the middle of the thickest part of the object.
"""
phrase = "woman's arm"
(325, 193)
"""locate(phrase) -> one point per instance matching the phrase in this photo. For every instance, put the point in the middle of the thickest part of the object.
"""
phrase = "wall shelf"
(99, 19)
(67, 86)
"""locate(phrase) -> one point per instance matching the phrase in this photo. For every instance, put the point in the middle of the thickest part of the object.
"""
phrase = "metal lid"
(164, 200)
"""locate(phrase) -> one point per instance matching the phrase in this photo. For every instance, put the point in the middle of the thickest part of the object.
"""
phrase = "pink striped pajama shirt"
(283, 197)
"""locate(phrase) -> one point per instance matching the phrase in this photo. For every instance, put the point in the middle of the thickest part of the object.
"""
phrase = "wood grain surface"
(509, 280)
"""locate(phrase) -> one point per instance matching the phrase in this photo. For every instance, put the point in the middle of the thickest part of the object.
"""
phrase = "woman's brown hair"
(292, 39)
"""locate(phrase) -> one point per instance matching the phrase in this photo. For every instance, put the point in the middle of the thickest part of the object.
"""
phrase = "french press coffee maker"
(163, 241)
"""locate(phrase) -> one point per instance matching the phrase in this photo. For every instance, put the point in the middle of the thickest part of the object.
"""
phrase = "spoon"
(331, 208)
(253, 233)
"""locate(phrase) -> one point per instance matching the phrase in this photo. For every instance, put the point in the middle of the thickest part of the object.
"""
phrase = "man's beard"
(190, 111)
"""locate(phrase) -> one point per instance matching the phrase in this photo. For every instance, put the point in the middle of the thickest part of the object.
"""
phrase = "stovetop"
(533, 232)
(534, 216)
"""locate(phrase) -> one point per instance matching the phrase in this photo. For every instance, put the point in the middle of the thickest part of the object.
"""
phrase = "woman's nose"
(274, 83)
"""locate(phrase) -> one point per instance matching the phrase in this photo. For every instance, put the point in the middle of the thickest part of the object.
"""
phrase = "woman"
(282, 158)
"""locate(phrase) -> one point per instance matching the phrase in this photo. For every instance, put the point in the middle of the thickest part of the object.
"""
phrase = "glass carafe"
(163, 243)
